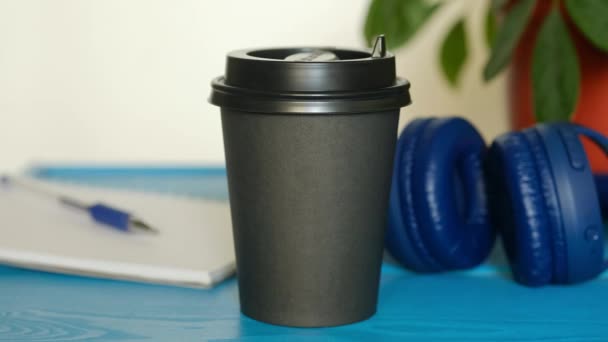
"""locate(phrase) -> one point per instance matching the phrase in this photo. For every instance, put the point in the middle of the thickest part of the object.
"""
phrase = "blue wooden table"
(483, 304)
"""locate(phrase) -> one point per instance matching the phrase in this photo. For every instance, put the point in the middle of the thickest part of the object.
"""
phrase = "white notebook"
(194, 247)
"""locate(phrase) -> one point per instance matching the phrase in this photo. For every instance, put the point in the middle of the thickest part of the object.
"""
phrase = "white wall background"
(126, 81)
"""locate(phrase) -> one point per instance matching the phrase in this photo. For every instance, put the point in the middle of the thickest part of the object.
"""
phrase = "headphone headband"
(596, 137)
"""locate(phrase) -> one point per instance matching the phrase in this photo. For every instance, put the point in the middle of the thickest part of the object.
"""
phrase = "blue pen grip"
(110, 216)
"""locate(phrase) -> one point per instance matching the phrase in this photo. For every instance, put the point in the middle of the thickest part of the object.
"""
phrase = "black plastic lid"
(311, 80)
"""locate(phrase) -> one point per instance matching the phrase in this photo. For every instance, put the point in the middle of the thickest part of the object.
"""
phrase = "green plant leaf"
(497, 5)
(507, 37)
(399, 20)
(591, 17)
(555, 71)
(490, 27)
(454, 52)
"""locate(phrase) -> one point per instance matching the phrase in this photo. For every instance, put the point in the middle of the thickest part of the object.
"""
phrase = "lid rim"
(247, 54)
(346, 103)
(400, 84)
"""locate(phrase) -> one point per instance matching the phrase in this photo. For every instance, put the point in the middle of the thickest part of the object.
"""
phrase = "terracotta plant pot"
(592, 108)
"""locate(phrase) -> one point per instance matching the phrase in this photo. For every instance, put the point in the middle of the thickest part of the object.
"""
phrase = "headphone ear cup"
(579, 229)
(518, 208)
(424, 214)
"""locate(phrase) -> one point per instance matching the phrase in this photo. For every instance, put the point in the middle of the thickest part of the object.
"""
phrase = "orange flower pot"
(592, 108)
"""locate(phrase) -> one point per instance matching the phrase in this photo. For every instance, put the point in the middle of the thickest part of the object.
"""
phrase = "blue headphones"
(450, 195)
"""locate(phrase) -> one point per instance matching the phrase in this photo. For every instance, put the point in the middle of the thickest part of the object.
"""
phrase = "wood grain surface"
(480, 305)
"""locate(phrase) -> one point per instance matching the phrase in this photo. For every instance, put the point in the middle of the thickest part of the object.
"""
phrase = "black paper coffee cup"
(309, 137)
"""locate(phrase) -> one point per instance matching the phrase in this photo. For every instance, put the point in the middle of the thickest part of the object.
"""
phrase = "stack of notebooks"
(194, 247)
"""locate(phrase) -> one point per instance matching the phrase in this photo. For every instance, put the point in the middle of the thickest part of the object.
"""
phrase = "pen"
(99, 212)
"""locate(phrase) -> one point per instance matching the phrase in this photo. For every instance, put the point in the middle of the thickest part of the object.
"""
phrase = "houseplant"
(557, 52)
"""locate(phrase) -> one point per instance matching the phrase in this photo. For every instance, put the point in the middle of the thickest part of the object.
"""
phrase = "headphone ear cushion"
(549, 191)
(519, 208)
(402, 240)
(454, 225)
(424, 213)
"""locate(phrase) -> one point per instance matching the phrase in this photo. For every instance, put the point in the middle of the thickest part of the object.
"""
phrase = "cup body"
(309, 200)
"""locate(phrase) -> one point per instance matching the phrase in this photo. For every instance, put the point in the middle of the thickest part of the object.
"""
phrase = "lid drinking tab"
(379, 49)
